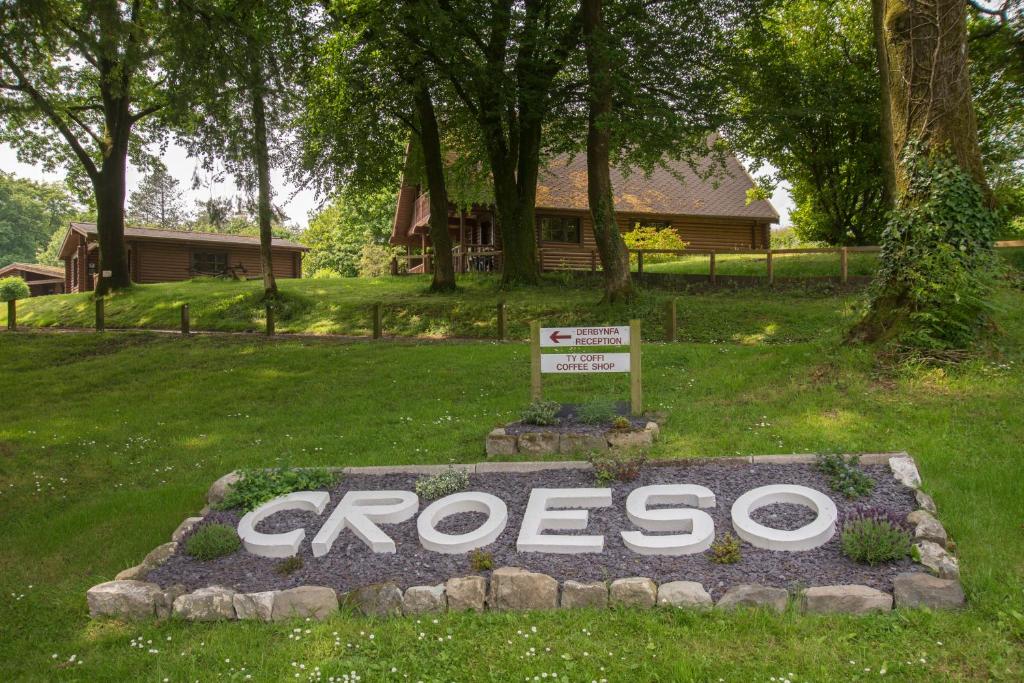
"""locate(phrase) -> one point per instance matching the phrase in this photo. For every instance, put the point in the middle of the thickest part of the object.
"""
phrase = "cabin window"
(209, 262)
(657, 225)
(560, 229)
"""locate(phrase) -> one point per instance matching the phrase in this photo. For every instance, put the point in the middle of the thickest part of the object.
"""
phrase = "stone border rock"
(513, 588)
(500, 443)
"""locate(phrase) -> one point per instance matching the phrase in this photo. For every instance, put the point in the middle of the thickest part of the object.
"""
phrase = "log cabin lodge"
(708, 213)
(41, 280)
(172, 255)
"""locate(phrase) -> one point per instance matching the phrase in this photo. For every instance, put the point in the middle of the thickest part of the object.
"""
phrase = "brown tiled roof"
(563, 185)
(186, 236)
(33, 268)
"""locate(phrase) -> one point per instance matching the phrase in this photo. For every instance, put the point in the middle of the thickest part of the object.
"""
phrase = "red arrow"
(555, 337)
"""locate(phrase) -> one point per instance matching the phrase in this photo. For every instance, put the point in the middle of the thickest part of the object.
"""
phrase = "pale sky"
(297, 205)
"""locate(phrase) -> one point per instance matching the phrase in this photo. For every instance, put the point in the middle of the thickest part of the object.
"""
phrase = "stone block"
(754, 595)
(258, 606)
(186, 526)
(376, 600)
(927, 528)
(318, 602)
(538, 443)
(128, 600)
(577, 444)
(934, 557)
(424, 599)
(584, 594)
(636, 591)
(925, 502)
(684, 594)
(917, 589)
(905, 470)
(847, 599)
(629, 438)
(219, 490)
(500, 443)
(513, 588)
(214, 603)
(466, 593)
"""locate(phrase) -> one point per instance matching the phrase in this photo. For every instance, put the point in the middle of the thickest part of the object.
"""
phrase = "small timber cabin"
(172, 255)
(707, 213)
(41, 280)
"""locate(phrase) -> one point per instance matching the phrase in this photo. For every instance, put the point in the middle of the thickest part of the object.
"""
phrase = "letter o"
(807, 537)
(469, 501)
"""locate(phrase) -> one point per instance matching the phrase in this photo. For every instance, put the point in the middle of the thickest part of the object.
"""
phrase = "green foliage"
(12, 288)
(598, 413)
(805, 99)
(375, 260)
(845, 475)
(443, 484)
(212, 541)
(650, 237)
(725, 550)
(543, 413)
(157, 201)
(935, 278)
(288, 565)
(789, 238)
(257, 486)
(615, 464)
(336, 236)
(621, 422)
(481, 560)
(872, 536)
(31, 214)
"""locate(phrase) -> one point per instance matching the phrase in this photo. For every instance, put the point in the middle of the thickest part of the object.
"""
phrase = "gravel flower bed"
(351, 564)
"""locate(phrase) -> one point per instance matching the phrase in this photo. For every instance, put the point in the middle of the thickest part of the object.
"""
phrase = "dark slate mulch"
(351, 564)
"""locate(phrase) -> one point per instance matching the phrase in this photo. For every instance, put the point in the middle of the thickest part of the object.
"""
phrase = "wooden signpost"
(581, 355)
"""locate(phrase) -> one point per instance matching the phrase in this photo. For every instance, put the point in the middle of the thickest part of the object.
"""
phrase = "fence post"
(593, 261)
(100, 323)
(376, 321)
(636, 403)
(711, 268)
(844, 265)
(185, 322)
(12, 315)
(427, 264)
(535, 390)
(670, 325)
(270, 318)
(501, 321)
(771, 269)
(394, 265)
(639, 262)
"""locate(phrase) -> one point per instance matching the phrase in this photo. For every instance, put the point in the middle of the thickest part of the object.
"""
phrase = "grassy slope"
(121, 434)
(784, 265)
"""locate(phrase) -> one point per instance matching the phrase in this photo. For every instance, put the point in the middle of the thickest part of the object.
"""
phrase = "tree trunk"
(518, 227)
(888, 151)
(610, 245)
(430, 141)
(262, 154)
(923, 54)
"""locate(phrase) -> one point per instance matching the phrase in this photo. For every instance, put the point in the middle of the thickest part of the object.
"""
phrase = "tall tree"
(337, 234)
(236, 71)
(610, 245)
(30, 214)
(157, 201)
(76, 80)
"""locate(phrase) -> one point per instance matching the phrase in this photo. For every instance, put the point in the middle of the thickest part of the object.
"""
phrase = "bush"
(596, 413)
(13, 288)
(726, 550)
(542, 413)
(258, 486)
(481, 561)
(845, 475)
(212, 541)
(613, 465)
(441, 485)
(653, 238)
(375, 260)
(621, 422)
(288, 565)
(872, 536)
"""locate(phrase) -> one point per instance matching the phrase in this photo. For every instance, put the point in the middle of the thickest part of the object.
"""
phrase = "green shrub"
(615, 465)
(288, 566)
(443, 484)
(872, 536)
(13, 288)
(542, 413)
(621, 422)
(725, 550)
(481, 561)
(596, 413)
(212, 541)
(653, 238)
(258, 486)
(845, 475)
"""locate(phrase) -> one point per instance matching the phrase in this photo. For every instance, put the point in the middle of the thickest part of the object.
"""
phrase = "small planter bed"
(239, 584)
(572, 429)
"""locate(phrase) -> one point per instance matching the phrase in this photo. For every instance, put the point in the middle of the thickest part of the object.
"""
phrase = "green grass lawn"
(784, 265)
(108, 440)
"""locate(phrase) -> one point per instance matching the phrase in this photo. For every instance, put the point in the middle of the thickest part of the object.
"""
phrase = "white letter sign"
(358, 510)
(614, 335)
(279, 545)
(470, 501)
(552, 363)
(698, 526)
(540, 518)
(807, 537)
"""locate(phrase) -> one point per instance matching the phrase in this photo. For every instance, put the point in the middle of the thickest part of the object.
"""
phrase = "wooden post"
(426, 263)
(185, 322)
(501, 321)
(12, 315)
(670, 323)
(711, 268)
(100, 323)
(844, 265)
(771, 269)
(639, 263)
(636, 403)
(593, 261)
(394, 265)
(376, 322)
(535, 389)
(270, 318)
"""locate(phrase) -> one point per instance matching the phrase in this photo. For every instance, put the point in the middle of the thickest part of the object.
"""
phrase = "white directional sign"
(614, 335)
(552, 363)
